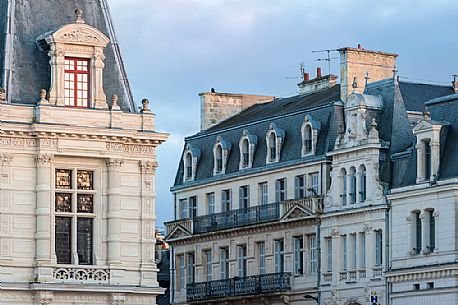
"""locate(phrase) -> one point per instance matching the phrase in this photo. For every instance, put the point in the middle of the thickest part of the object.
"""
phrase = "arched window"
(308, 139)
(352, 181)
(247, 146)
(310, 130)
(221, 152)
(362, 183)
(273, 146)
(188, 166)
(274, 139)
(245, 153)
(219, 158)
(191, 158)
(343, 186)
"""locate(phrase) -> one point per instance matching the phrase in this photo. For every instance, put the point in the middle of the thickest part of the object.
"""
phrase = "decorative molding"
(118, 299)
(422, 275)
(44, 159)
(80, 35)
(115, 163)
(148, 167)
(5, 159)
(18, 142)
(130, 149)
(82, 274)
(44, 297)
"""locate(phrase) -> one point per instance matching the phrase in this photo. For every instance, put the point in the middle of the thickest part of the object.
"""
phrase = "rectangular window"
(74, 210)
(427, 146)
(298, 255)
(76, 82)
(182, 273)
(263, 193)
(209, 264)
(183, 205)
(224, 263)
(244, 197)
(353, 252)
(417, 220)
(262, 257)
(190, 267)
(211, 203)
(313, 254)
(192, 206)
(242, 260)
(378, 247)
(363, 250)
(432, 231)
(329, 254)
(299, 187)
(226, 199)
(279, 256)
(344, 252)
(314, 184)
(280, 190)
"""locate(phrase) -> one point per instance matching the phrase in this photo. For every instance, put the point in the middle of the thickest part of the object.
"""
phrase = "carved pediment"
(296, 212)
(76, 33)
(178, 232)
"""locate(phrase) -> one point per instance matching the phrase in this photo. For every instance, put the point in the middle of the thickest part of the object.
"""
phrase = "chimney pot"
(306, 76)
(318, 72)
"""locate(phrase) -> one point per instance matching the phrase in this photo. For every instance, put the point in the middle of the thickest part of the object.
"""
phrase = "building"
(77, 169)
(296, 200)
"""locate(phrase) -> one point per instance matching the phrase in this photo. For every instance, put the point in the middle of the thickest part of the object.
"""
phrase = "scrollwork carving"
(148, 166)
(44, 159)
(115, 163)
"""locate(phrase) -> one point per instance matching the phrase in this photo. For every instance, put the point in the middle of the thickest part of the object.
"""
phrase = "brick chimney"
(317, 84)
(357, 63)
(455, 84)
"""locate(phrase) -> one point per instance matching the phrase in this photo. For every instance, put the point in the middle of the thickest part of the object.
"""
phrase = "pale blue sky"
(174, 49)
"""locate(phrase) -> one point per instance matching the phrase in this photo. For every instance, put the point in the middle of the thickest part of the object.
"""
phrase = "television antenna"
(302, 71)
(328, 57)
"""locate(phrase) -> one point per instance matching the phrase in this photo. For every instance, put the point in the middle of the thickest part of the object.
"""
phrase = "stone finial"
(373, 134)
(2, 94)
(145, 104)
(355, 83)
(114, 104)
(43, 95)
(426, 116)
(79, 16)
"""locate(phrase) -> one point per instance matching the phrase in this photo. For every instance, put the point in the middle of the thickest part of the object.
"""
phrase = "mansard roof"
(25, 68)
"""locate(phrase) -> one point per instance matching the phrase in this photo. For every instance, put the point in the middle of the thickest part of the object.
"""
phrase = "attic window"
(274, 140)
(247, 146)
(191, 158)
(76, 82)
(310, 130)
(221, 152)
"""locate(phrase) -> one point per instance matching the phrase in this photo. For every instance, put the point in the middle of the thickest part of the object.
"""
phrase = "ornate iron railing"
(239, 286)
(236, 218)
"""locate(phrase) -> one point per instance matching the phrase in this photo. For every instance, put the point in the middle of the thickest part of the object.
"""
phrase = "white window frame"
(242, 266)
(244, 197)
(313, 242)
(299, 262)
(314, 188)
(263, 193)
(209, 264)
(329, 254)
(281, 194)
(251, 143)
(210, 203)
(224, 263)
(262, 257)
(194, 154)
(300, 186)
(278, 135)
(279, 256)
(223, 147)
(310, 131)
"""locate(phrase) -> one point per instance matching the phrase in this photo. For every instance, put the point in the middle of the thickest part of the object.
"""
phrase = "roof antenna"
(328, 57)
(79, 16)
(395, 71)
(302, 69)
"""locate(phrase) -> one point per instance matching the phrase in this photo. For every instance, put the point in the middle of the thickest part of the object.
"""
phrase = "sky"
(175, 49)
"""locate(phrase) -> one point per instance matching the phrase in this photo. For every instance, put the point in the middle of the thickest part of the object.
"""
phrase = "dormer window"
(274, 140)
(221, 152)
(76, 82)
(191, 158)
(247, 147)
(310, 130)
(427, 158)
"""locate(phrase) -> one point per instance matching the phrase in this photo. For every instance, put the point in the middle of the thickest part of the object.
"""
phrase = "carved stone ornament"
(115, 163)
(334, 232)
(114, 105)
(5, 159)
(43, 95)
(79, 16)
(148, 166)
(145, 104)
(118, 299)
(2, 94)
(367, 227)
(328, 201)
(44, 297)
(44, 159)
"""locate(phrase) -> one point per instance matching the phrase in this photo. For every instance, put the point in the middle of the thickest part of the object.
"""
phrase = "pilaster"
(114, 211)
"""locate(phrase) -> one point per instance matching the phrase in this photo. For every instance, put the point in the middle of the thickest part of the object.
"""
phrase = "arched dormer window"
(352, 182)
(274, 140)
(191, 158)
(343, 186)
(77, 63)
(221, 152)
(310, 130)
(362, 183)
(247, 147)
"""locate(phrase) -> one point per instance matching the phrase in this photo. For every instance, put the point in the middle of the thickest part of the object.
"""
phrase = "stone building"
(312, 198)
(77, 169)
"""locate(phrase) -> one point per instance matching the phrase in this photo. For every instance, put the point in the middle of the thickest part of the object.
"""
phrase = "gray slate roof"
(30, 66)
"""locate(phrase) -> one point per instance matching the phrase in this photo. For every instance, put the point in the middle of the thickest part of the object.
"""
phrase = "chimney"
(319, 83)
(318, 72)
(306, 77)
(357, 63)
(455, 83)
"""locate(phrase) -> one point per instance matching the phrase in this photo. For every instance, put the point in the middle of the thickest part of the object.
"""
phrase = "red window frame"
(77, 82)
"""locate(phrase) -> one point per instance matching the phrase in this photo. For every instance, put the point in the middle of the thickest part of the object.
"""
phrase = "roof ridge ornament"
(79, 16)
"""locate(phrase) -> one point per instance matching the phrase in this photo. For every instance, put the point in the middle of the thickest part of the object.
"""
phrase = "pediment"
(422, 125)
(77, 33)
(296, 212)
(178, 232)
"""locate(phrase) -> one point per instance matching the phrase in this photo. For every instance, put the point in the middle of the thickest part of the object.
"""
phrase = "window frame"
(76, 81)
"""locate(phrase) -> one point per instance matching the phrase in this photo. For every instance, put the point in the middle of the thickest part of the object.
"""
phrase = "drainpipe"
(172, 275)
(318, 272)
(387, 249)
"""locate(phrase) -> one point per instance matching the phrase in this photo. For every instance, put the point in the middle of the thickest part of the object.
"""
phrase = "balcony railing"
(185, 223)
(377, 271)
(243, 286)
(236, 218)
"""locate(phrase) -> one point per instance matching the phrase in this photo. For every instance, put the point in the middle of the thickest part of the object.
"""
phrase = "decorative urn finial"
(79, 16)
(43, 95)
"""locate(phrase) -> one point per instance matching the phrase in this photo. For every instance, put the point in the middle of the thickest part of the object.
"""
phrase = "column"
(114, 211)
(420, 161)
(360, 253)
(424, 231)
(435, 159)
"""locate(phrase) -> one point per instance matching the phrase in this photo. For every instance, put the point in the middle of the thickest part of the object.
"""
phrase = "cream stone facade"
(77, 184)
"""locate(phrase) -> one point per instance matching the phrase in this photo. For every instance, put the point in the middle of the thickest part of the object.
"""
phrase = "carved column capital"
(5, 159)
(148, 166)
(118, 299)
(115, 163)
(44, 159)
(43, 297)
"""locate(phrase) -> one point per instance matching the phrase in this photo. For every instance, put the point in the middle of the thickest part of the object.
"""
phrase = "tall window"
(74, 215)
(417, 232)
(314, 190)
(219, 159)
(343, 186)
(279, 259)
(363, 184)
(188, 166)
(211, 203)
(226, 200)
(298, 255)
(192, 206)
(363, 250)
(272, 147)
(242, 260)
(245, 153)
(427, 156)
(76, 82)
(345, 252)
(308, 139)
(224, 263)
(432, 230)
(352, 185)
(190, 268)
(244, 197)
(181, 270)
(299, 187)
(378, 247)
(183, 206)
(208, 264)
(263, 193)
(280, 190)
(329, 254)
(354, 254)
(313, 254)
(262, 257)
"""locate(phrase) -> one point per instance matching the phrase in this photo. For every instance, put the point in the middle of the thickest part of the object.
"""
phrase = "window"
(263, 193)
(345, 252)
(183, 205)
(279, 258)
(298, 255)
(352, 185)
(221, 151)
(272, 147)
(181, 270)
(416, 232)
(188, 166)
(244, 197)
(313, 254)
(76, 82)
(211, 203)
(208, 264)
(274, 140)
(329, 254)
(191, 158)
(242, 260)
(353, 251)
(245, 153)
(190, 268)
(247, 145)
(219, 159)
(308, 139)
(343, 186)
(430, 230)
(363, 250)
(192, 207)
(363, 183)
(262, 257)
(74, 208)
(430, 285)
(309, 130)
(314, 190)
(280, 190)
(224, 263)
(427, 156)
(378, 247)
(226, 200)
(416, 287)
(299, 187)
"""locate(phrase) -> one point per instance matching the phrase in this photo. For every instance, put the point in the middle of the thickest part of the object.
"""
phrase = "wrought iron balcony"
(239, 286)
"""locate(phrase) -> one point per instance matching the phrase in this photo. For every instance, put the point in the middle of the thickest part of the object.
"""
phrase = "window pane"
(85, 180)
(63, 203)
(84, 241)
(85, 203)
(63, 240)
(63, 179)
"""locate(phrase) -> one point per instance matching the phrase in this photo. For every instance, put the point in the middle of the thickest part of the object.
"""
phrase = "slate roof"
(30, 66)
(415, 95)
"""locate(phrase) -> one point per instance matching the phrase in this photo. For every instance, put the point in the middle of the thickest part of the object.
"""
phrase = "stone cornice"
(417, 274)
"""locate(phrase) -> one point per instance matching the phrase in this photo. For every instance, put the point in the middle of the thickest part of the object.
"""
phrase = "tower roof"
(25, 68)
